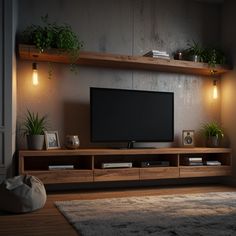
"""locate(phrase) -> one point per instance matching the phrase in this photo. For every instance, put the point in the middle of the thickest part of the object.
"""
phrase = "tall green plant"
(212, 129)
(33, 124)
(194, 49)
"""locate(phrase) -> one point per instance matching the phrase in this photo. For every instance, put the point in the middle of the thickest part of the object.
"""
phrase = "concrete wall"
(130, 27)
(228, 111)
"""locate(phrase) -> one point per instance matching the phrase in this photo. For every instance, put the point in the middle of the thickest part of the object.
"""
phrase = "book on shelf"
(213, 163)
(61, 167)
(157, 54)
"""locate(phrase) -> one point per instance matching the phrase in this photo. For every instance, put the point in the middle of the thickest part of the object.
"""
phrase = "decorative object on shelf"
(34, 127)
(178, 55)
(188, 138)
(52, 140)
(213, 134)
(72, 141)
(157, 54)
(52, 35)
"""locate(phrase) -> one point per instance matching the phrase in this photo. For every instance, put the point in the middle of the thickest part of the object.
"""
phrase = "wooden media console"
(87, 164)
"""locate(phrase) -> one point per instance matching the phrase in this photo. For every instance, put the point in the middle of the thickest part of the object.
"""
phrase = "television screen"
(119, 115)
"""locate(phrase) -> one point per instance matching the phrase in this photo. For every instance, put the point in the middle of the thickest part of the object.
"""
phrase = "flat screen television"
(120, 115)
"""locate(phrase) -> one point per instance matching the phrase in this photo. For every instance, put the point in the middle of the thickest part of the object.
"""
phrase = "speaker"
(188, 138)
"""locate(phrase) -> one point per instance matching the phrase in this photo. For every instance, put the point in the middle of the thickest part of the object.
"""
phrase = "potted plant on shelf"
(194, 52)
(213, 56)
(34, 127)
(213, 134)
(51, 35)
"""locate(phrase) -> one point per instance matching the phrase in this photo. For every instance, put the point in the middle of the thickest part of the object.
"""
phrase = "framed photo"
(52, 140)
(188, 138)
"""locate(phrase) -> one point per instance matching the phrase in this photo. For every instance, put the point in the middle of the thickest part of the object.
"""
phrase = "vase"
(72, 141)
(35, 142)
(195, 58)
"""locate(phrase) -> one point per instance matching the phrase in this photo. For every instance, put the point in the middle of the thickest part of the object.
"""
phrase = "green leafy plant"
(33, 124)
(213, 56)
(194, 49)
(51, 35)
(210, 55)
(212, 129)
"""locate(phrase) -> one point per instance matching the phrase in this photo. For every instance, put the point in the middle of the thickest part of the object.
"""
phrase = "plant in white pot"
(34, 127)
(213, 134)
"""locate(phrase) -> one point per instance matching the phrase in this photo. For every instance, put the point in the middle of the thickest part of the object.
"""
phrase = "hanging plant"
(213, 56)
(51, 35)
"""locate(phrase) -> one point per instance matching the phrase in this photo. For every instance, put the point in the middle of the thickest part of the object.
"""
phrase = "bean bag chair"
(22, 194)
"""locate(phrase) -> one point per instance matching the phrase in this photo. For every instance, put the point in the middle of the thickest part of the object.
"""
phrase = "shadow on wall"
(76, 121)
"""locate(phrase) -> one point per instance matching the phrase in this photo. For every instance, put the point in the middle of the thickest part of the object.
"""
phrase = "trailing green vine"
(51, 35)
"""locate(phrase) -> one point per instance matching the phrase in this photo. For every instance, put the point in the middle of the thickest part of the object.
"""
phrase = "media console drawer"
(63, 176)
(116, 174)
(159, 173)
(202, 171)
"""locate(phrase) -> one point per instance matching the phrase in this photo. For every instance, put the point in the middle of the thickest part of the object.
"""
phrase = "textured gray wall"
(126, 27)
(228, 111)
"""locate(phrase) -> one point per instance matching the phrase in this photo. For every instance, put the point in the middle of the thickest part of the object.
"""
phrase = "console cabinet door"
(116, 174)
(159, 173)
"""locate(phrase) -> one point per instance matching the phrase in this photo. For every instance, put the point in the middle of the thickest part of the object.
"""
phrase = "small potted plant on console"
(34, 127)
(213, 134)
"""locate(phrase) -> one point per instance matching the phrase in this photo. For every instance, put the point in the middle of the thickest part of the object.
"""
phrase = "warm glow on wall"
(215, 90)
(35, 79)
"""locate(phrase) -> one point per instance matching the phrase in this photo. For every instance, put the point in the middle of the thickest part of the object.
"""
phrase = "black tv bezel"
(131, 90)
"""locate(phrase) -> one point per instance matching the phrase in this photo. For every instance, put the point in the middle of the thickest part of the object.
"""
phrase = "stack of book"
(157, 54)
(213, 163)
(193, 161)
(61, 167)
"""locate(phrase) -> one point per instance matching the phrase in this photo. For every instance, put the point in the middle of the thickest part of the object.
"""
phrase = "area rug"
(170, 215)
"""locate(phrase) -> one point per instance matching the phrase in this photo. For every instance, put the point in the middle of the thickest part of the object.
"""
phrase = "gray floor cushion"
(22, 194)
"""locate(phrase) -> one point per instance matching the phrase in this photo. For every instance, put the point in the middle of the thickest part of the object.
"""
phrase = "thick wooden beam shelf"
(88, 164)
(29, 52)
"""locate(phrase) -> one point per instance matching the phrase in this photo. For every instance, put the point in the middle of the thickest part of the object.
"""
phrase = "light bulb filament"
(35, 80)
(215, 90)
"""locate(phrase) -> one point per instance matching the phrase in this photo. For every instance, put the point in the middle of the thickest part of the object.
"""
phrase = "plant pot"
(213, 141)
(35, 142)
(195, 58)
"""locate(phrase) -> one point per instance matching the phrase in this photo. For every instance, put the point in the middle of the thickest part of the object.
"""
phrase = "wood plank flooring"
(48, 221)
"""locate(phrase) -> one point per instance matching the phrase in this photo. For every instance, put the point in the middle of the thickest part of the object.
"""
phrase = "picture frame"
(52, 140)
(188, 138)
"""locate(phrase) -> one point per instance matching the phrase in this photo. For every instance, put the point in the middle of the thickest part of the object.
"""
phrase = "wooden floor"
(49, 221)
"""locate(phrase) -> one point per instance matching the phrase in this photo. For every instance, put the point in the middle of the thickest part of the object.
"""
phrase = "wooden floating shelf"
(98, 59)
